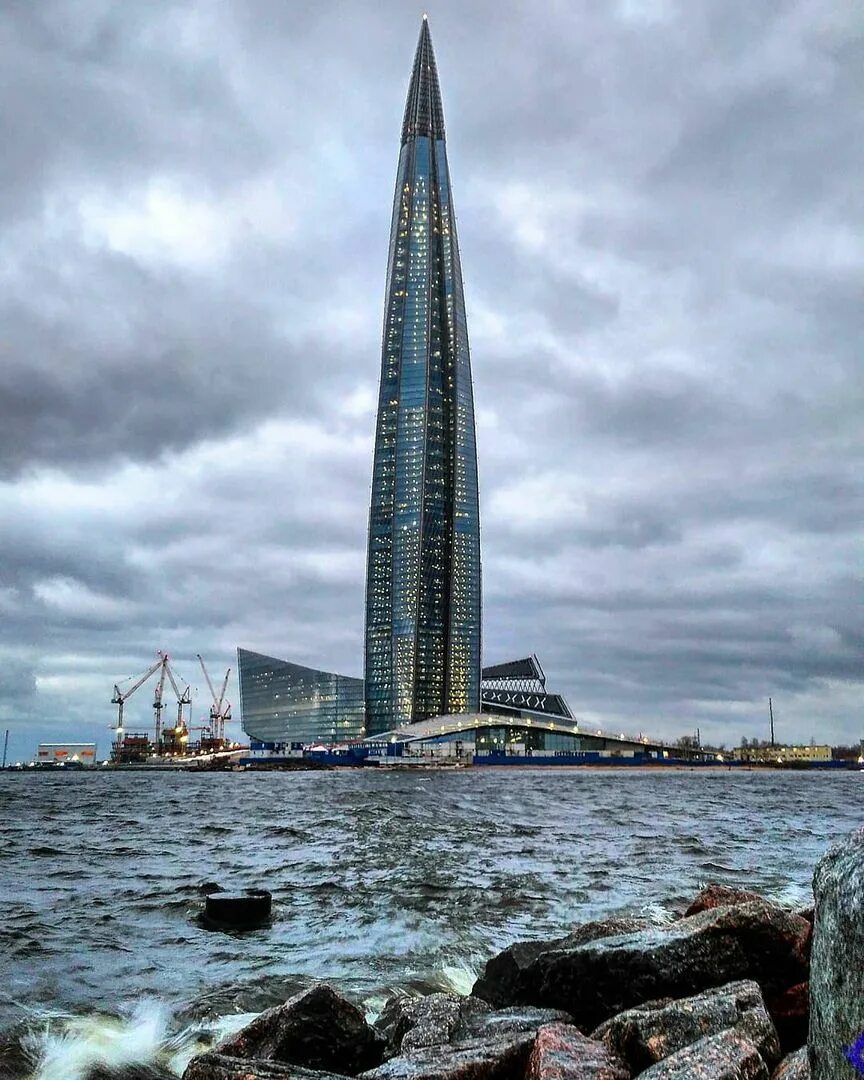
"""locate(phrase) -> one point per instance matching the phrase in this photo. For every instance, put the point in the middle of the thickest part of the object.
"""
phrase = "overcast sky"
(660, 215)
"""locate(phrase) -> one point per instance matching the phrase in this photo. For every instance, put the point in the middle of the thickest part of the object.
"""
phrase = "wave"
(141, 1038)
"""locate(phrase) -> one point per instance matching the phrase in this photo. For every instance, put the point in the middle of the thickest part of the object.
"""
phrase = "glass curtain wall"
(282, 702)
(423, 574)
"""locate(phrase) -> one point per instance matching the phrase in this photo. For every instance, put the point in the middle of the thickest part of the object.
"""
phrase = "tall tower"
(423, 573)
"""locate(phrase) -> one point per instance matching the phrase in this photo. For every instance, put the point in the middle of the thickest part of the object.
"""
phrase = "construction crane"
(122, 696)
(220, 710)
(184, 697)
(175, 740)
(157, 699)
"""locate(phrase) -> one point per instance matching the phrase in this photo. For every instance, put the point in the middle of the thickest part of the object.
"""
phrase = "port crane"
(184, 696)
(157, 699)
(122, 696)
(220, 710)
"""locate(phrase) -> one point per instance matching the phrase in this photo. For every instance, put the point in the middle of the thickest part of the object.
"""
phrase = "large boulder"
(594, 981)
(412, 1022)
(646, 1034)
(726, 1056)
(790, 1012)
(214, 1066)
(502, 982)
(715, 895)
(504, 1058)
(562, 1052)
(837, 960)
(316, 1029)
(795, 1066)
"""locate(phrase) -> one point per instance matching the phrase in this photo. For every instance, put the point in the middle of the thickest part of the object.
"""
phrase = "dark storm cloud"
(660, 218)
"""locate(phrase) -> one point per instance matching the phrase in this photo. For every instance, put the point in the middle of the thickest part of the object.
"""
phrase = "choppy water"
(380, 880)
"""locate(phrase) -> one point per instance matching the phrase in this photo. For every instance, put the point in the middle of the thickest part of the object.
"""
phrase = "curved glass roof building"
(423, 569)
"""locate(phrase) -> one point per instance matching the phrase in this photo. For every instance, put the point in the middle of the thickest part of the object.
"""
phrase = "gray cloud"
(660, 217)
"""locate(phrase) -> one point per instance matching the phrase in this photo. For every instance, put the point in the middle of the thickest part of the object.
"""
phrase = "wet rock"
(215, 1066)
(795, 1066)
(411, 1022)
(16, 1060)
(726, 1056)
(716, 895)
(503, 1058)
(317, 1029)
(837, 961)
(126, 1072)
(790, 1012)
(562, 1052)
(594, 981)
(251, 996)
(503, 979)
(525, 1018)
(644, 1035)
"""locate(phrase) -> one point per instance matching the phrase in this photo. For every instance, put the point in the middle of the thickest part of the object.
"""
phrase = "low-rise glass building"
(284, 703)
(281, 702)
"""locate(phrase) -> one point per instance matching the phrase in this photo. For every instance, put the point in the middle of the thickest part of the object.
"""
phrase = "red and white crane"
(220, 710)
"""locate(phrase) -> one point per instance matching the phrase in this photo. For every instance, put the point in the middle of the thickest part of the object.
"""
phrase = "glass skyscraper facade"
(423, 571)
(281, 702)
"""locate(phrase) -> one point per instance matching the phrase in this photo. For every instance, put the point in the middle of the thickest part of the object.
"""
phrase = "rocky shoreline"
(721, 993)
(732, 990)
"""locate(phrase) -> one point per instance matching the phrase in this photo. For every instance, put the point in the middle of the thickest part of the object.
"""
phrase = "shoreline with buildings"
(424, 693)
(337, 759)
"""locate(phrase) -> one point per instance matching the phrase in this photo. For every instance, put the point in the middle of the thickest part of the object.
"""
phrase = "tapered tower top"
(423, 112)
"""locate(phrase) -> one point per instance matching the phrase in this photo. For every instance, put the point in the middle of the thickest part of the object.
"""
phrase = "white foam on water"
(67, 1046)
(200, 1037)
(658, 914)
(458, 978)
(373, 1006)
(89, 1040)
(791, 895)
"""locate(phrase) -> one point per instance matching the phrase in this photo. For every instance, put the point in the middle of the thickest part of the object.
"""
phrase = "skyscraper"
(423, 572)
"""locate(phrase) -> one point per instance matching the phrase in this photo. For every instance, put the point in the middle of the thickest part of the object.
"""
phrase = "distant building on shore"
(78, 753)
(782, 753)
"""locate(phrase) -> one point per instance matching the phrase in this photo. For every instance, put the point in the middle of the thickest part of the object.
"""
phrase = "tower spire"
(424, 114)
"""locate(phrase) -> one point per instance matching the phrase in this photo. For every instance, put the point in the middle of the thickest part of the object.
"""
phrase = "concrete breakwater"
(724, 993)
